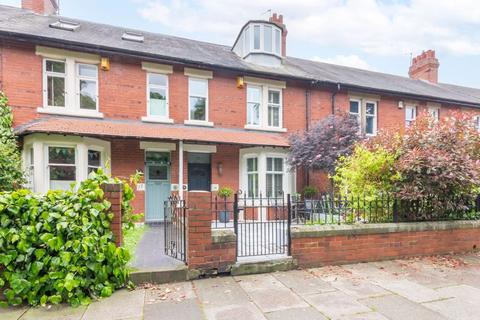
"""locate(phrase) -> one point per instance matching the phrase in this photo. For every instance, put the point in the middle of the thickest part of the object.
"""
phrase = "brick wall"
(113, 194)
(205, 252)
(323, 245)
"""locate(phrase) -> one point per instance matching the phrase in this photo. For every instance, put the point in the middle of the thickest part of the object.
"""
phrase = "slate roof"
(141, 130)
(19, 23)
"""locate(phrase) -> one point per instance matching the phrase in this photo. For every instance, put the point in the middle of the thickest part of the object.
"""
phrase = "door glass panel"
(157, 157)
(158, 173)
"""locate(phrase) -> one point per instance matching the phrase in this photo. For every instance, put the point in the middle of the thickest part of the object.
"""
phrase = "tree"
(11, 173)
(322, 145)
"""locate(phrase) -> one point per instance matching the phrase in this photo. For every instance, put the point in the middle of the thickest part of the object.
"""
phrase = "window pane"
(253, 185)
(247, 39)
(55, 66)
(256, 37)
(87, 70)
(158, 102)
(157, 79)
(278, 185)
(61, 155)
(197, 108)
(354, 106)
(370, 108)
(62, 173)
(157, 172)
(267, 37)
(157, 157)
(253, 113)
(56, 91)
(273, 116)
(88, 94)
(277, 41)
(269, 164)
(254, 94)
(274, 97)
(278, 164)
(252, 164)
(269, 185)
(370, 126)
(198, 87)
(94, 158)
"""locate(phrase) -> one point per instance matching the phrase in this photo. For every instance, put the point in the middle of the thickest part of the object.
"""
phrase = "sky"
(379, 35)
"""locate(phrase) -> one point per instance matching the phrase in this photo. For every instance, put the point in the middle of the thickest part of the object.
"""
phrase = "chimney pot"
(425, 67)
(45, 7)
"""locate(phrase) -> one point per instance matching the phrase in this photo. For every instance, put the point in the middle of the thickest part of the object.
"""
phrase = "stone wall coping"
(314, 231)
(112, 187)
(223, 236)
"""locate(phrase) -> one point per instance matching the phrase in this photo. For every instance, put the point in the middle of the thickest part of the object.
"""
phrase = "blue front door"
(157, 181)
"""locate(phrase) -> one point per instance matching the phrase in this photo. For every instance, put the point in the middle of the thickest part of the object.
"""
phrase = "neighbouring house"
(191, 115)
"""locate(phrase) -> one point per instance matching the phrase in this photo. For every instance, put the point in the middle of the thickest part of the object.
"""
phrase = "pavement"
(437, 287)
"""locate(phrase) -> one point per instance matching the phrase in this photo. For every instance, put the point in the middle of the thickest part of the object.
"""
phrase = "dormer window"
(262, 38)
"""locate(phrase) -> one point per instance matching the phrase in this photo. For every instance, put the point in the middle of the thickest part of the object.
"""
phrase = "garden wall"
(320, 245)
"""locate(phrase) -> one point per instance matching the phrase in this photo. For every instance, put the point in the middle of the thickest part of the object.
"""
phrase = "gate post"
(289, 224)
(113, 194)
(235, 219)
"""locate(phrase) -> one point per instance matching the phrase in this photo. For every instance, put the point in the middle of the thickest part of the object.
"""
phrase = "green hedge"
(59, 247)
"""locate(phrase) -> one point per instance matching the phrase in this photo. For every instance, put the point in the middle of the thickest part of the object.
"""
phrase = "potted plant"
(309, 193)
(224, 193)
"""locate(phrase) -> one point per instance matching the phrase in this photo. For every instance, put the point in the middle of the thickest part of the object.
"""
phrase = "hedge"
(59, 247)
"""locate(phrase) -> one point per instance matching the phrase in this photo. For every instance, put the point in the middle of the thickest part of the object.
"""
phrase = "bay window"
(198, 99)
(252, 177)
(61, 167)
(410, 115)
(262, 38)
(264, 107)
(365, 112)
(157, 99)
(94, 160)
(274, 177)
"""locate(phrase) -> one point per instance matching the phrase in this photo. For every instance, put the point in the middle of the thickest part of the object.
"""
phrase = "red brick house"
(190, 115)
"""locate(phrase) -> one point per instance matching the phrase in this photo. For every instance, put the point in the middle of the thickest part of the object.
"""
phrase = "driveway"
(440, 287)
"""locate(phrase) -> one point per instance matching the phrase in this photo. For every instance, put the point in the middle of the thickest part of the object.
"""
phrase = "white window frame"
(72, 88)
(194, 121)
(264, 116)
(408, 122)
(260, 88)
(362, 115)
(165, 118)
(434, 113)
(357, 115)
(102, 155)
(249, 39)
(47, 160)
(274, 173)
(280, 108)
(78, 78)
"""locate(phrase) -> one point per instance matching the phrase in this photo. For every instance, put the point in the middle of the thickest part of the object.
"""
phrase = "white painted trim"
(157, 119)
(180, 169)
(55, 53)
(259, 128)
(157, 146)
(198, 73)
(363, 96)
(200, 148)
(157, 67)
(198, 123)
(265, 82)
(62, 111)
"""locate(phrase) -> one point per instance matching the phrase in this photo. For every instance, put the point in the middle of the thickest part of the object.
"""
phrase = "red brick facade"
(113, 194)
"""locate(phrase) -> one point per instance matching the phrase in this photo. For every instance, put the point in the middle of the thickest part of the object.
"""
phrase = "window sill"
(271, 129)
(76, 113)
(157, 119)
(198, 123)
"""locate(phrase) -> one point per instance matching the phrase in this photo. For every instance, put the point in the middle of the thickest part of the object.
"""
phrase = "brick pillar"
(207, 253)
(113, 194)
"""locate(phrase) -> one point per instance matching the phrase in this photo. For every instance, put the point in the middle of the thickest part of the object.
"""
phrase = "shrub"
(225, 192)
(11, 173)
(309, 192)
(59, 247)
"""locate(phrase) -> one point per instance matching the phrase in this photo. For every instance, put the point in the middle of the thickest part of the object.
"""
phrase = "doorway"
(157, 184)
(199, 171)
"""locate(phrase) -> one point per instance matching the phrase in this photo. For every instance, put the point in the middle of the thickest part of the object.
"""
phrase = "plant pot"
(224, 216)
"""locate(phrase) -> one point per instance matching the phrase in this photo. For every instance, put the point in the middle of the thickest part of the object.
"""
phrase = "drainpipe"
(180, 169)
(334, 95)
(306, 173)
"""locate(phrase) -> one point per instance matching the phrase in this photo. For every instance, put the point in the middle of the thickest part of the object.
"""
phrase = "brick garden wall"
(330, 245)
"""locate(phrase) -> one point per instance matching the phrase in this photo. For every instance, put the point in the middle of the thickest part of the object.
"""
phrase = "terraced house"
(191, 115)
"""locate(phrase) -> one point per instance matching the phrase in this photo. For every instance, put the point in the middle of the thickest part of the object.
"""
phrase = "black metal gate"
(175, 228)
(262, 225)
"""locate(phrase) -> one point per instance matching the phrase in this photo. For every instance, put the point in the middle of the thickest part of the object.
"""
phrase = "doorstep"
(160, 275)
(263, 264)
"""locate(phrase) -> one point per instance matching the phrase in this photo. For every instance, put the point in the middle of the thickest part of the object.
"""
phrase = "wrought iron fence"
(175, 228)
(382, 208)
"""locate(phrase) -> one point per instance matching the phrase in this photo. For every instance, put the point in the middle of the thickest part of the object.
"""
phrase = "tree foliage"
(59, 247)
(11, 173)
(322, 145)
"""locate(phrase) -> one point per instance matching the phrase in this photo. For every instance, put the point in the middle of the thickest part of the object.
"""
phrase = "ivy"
(59, 247)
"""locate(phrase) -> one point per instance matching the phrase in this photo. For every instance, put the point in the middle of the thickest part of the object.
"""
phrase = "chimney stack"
(45, 7)
(278, 20)
(425, 67)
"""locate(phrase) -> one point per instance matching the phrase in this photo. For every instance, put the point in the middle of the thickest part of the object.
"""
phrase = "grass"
(131, 237)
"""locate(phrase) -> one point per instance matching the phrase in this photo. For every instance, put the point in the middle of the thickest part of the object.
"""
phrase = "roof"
(18, 23)
(141, 130)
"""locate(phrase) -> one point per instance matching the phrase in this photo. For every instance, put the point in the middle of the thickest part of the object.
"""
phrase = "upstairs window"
(87, 76)
(477, 123)
(365, 112)
(55, 74)
(198, 99)
(410, 115)
(157, 95)
(434, 112)
(262, 38)
(254, 101)
(264, 107)
(274, 108)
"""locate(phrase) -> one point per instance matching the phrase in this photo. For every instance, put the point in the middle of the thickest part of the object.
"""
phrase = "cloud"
(388, 28)
(351, 60)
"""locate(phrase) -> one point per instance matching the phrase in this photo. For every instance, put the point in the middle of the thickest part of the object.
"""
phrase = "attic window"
(65, 25)
(133, 36)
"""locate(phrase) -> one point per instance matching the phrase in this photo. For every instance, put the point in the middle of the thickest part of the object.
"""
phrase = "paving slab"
(234, 312)
(410, 290)
(463, 292)
(12, 313)
(303, 282)
(455, 308)
(358, 287)
(398, 308)
(123, 304)
(364, 316)
(297, 314)
(188, 309)
(58, 312)
(169, 292)
(269, 294)
(336, 304)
